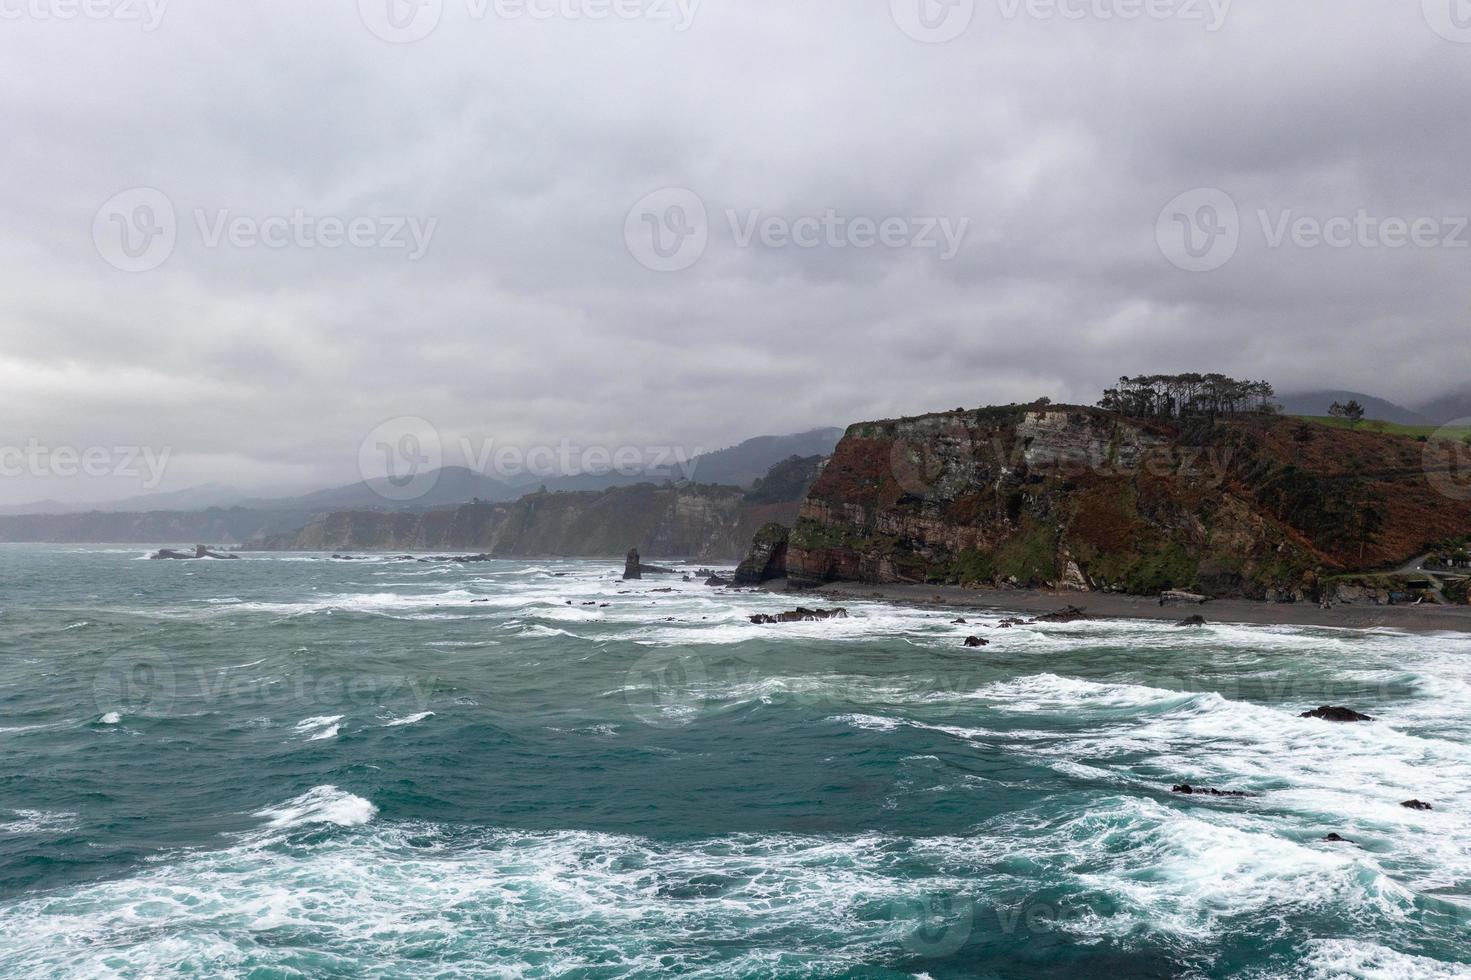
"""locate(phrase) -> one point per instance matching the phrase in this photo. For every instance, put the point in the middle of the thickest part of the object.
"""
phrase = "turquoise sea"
(291, 766)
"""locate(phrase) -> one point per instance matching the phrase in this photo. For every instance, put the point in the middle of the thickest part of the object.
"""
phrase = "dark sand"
(1420, 619)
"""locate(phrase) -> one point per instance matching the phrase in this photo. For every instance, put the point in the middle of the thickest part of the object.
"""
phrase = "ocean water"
(289, 766)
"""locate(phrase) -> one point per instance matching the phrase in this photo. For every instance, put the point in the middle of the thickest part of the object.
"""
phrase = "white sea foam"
(19, 823)
(319, 728)
(111, 718)
(410, 720)
(1352, 959)
(321, 804)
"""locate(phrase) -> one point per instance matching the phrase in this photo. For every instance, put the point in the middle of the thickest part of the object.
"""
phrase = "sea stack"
(631, 568)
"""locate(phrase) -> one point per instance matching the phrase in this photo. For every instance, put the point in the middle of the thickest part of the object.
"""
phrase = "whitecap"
(410, 720)
(320, 804)
(319, 728)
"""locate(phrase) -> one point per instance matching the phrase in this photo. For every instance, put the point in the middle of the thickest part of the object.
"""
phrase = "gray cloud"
(529, 321)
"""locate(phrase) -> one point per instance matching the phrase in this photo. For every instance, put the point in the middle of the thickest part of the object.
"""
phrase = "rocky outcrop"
(1416, 805)
(767, 559)
(1329, 713)
(976, 641)
(1191, 622)
(632, 568)
(200, 551)
(1188, 790)
(1082, 499)
(799, 615)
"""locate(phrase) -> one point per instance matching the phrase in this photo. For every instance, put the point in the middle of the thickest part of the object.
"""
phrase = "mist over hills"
(216, 512)
(1446, 408)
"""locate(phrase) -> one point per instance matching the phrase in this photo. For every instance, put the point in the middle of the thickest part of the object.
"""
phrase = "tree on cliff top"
(1178, 396)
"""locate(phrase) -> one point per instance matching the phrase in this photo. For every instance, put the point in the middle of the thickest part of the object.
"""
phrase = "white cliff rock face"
(1073, 578)
(1060, 439)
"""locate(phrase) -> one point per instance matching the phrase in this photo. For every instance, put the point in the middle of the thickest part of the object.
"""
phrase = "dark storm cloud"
(527, 141)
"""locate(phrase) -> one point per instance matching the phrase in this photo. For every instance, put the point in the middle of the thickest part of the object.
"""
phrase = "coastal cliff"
(1080, 498)
(708, 523)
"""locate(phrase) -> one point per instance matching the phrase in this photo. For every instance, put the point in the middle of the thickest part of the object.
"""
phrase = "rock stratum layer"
(1084, 499)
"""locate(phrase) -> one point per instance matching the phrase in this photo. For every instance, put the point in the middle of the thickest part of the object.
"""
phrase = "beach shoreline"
(1104, 605)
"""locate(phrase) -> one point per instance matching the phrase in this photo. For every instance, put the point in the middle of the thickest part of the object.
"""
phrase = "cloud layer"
(294, 144)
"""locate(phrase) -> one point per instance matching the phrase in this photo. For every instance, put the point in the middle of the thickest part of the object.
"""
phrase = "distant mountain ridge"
(1450, 407)
(1318, 403)
(740, 465)
(239, 519)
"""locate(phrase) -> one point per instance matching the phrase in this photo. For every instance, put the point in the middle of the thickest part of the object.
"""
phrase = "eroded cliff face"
(1072, 498)
(708, 523)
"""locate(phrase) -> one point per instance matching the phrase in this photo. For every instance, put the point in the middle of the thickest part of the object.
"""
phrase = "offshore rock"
(1071, 614)
(1188, 790)
(767, 559)
(1329, 713)
(631, 567)
(799, 615)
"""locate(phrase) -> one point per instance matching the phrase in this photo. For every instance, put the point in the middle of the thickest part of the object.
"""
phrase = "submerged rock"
(1191, 621)
(799, 615)
(1070, 614)
(1187, 790)
(715, 580)
(1329, 713)
(1335, 839)
(1416, 805)
(976, 641)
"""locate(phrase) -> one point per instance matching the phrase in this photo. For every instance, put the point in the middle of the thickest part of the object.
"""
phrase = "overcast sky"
(989, 218)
